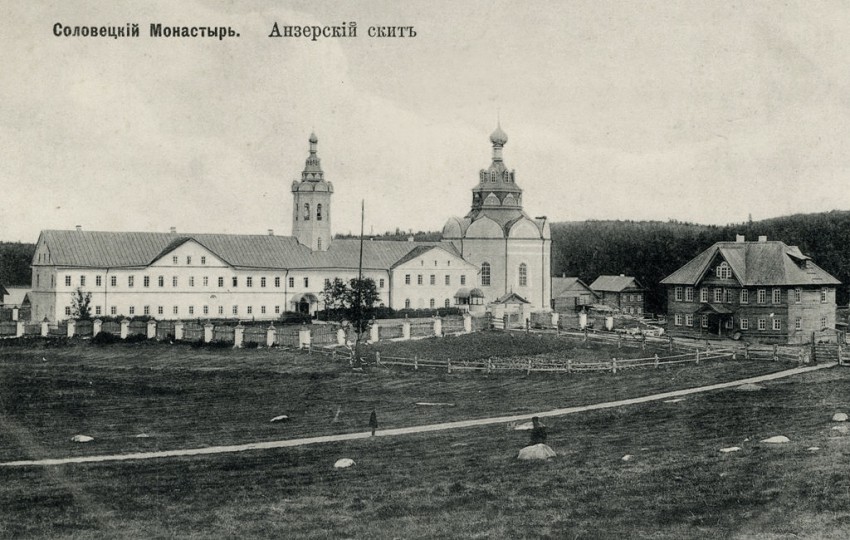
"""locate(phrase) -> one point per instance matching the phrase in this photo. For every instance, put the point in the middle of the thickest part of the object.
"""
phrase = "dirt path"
(408, 430)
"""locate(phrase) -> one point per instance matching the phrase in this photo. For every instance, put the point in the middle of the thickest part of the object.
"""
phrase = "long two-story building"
(765, 291)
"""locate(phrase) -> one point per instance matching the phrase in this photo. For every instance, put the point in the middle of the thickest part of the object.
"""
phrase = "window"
(173, 281)
(191, 310)
(703, 295)
(113, 280)
(463, 279)
(492, 176)
(678, 293)
(777, 296)
(67, 311)
(319, 217)
(381, 283)
(235, 281)
(689, 294)
(485, 274)
(762, 324)
(639, 310)
(221, 310)
(130, 280)
(689, 320)
(419, 279)
(67, 281)
(432, 304)
(761, 296)
(159, 310)
(327, 283)
(249, 281)
(407, 279)
(113, 310)
(98, 281)
(146, 310)
(727, 296)
(523, 275)
(203, 260)
(235, 310)
(448, 279)
(174, 259)
(745, 296)
(433, 279)
(263, 310)
(823, 296)
(745, 324)
(798, 295)
(823, 322)
(291, 282)
(306, 282)
(188, 259)
(192, 281)
(82, 281)
(262, 282)
(446, 303)
(97, 310)
(132, 310)
(206, 309)
(723, 271)
(704, 321)
(777, 324)
(277, 281)
(206, 281)
(638, 298)
(306, 211)
(250, 309)
(677, 319)
(798, 323)
(175, 310)
(277, 309)
(718, 295)
(146, 281)
(160, 281)
(407, 303)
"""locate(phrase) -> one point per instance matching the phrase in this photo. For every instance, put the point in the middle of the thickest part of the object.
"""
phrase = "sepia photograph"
(427, 269)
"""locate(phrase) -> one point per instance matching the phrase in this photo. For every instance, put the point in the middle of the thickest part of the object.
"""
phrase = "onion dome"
(499, 137)
(313, 138)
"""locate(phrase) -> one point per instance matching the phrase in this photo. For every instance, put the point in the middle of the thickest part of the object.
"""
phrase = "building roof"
(3, 291)
(422, 248)
(101, 249)
(511, 298)
(766, 263)
(615, 283)
(563, 285)
(14, 296)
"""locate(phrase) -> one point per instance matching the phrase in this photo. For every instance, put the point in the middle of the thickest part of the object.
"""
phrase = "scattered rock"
(749, 387)
(675, 400)
(839, 417)
(525, 426)
(281, 418)
(627, 457)
(434, 404)
(82, 438)
(343, 463)
(730, 449)
(841, 429)
(813, 448)
(142, 436)
(778, 439)
(538, 451)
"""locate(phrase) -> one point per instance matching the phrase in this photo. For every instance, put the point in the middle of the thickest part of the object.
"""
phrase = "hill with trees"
(15, 258)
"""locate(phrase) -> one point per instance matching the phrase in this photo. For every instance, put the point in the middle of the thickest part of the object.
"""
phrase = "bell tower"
(311, 203)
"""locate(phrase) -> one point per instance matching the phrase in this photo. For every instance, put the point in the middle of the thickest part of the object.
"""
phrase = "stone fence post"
(555, 319)
(71, 328)
(208, 332)
(151, 329)
(125, 328)
(96, 327)
(304, 338)
(467, 323)
(45, 327)
(340, 337)
(271, 335)
(15, 314)
(19, 329)
(178, 330)
(405, 329)
(238, 336)
(438, 327)
(375, 333)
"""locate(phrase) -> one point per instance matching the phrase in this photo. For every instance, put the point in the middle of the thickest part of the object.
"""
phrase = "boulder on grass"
(730, 449)
(749, 387)
(839, 417)
(778, 439)
(82, 438)
(844, 430)
(281, 418)
(525, 426)
(343, 463)
(536, 452)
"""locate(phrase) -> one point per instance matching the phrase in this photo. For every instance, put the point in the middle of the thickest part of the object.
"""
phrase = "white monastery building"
(494, 252)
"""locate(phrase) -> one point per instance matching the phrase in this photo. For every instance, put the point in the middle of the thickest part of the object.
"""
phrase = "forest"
(648, 250)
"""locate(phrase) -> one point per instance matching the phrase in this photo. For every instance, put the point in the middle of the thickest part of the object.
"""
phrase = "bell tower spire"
(311, 208)
(497, 190)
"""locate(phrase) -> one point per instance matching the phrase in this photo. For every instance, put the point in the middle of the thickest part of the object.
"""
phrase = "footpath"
(461, 424)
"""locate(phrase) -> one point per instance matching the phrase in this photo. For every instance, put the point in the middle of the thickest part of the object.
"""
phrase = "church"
(494, 253)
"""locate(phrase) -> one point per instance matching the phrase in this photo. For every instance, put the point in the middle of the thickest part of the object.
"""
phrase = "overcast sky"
(695, 111)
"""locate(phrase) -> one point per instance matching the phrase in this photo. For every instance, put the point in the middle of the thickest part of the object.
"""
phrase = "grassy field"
(462, 483)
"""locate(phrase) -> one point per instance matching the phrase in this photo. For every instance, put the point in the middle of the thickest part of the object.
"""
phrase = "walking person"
(538, 432)
(373, 421)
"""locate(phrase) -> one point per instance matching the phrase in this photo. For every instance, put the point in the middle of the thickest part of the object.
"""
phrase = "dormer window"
(492, 176)
(723, 271)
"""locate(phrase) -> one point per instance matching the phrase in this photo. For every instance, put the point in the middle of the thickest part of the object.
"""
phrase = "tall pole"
(358, 315)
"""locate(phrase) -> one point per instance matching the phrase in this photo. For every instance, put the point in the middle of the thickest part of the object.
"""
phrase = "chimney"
(79, 228)
(173, 230)
(622, 275)
(271, 232)
(410, 238)
(740, 238)
(762, 238)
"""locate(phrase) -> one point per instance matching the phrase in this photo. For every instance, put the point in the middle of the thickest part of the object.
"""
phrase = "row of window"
(522, 272)
(421, 303)
(744, 323)
(420, 279)
(306, 216)
(175, 310)
(205, 280)
(633, 310)
(176, 260)
(723, 295)
(632, 298)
